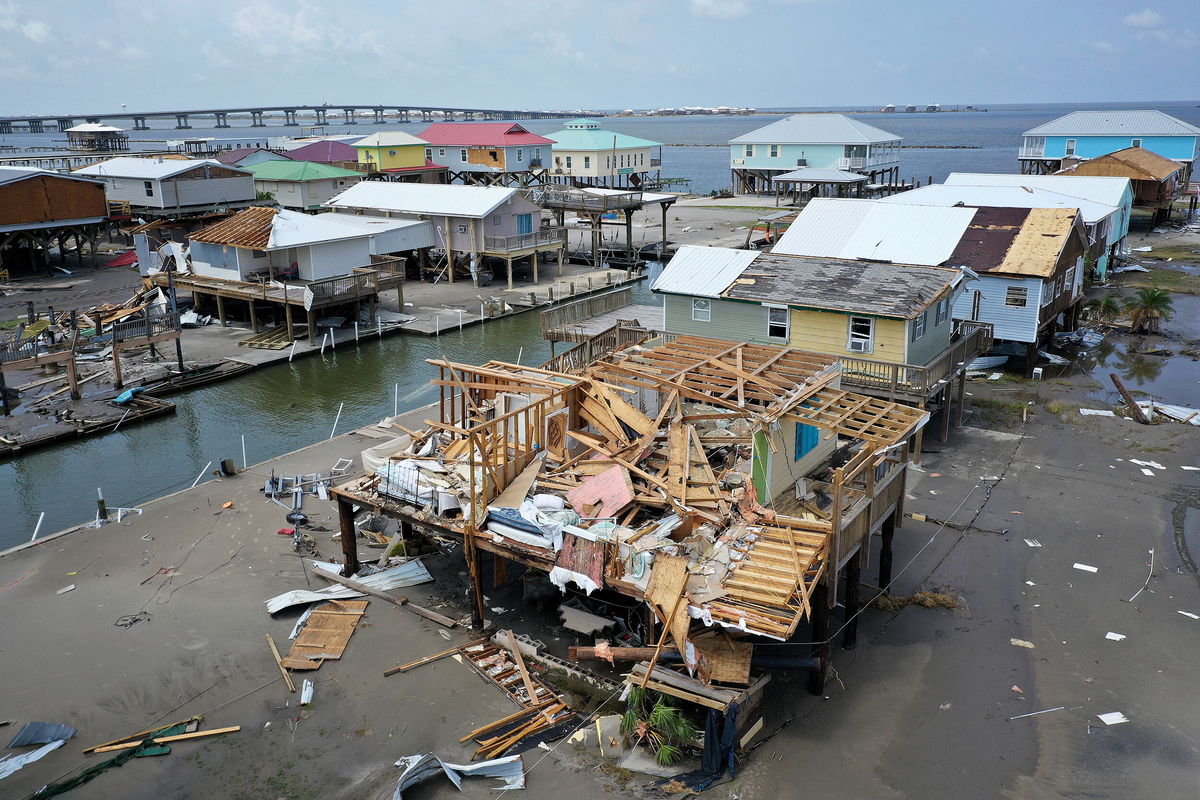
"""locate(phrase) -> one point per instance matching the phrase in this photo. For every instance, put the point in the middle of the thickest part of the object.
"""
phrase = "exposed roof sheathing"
(1135, 163)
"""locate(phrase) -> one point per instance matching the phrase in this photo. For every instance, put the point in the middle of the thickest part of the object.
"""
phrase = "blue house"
(832, 141)
(1090, 134)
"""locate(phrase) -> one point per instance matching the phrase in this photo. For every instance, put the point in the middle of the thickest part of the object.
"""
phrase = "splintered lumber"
(683, 687)
(519, 659)
(1134, 409)
(168, 739)
(511, 718)
(287, 679)
(429, 659)
(396, 601)
(138, 736)
(617, 653)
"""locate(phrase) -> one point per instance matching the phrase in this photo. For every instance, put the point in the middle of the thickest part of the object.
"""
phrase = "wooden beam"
(287, 679)
(167, 739)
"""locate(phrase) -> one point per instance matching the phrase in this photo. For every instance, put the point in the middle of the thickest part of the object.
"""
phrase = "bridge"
(346, 114)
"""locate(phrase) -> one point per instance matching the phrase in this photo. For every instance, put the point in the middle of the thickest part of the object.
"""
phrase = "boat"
(987, 362)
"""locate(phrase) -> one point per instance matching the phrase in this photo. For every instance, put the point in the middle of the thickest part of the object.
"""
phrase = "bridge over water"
(345, 114)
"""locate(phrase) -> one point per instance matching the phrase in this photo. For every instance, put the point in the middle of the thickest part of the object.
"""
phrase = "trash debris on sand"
(1113, 718)
(1022, 643)
(509, 771)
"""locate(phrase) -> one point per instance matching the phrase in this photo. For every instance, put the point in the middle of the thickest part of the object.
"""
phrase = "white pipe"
(396, 402)
(38, 527)
(460, 319)
(520, 353)
(437, 325)
(324, 340)
(292, 354)
(332, 340)
(245, 464)
(379, 327)
(335, 420)
(356, 331)
(201, 475)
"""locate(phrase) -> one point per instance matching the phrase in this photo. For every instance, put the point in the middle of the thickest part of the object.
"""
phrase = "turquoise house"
(1090, 134)
(832, 141)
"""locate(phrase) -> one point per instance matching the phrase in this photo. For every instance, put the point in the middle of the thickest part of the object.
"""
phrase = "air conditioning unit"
(737, 162)
(801, 162)
(858, 346)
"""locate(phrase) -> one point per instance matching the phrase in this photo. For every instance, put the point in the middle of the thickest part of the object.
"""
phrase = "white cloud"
(1146, 18)
(719, 9)
(36, 31)
(32, 29)
(1103, 48)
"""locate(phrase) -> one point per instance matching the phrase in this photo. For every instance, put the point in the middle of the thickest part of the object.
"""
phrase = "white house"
(173, 186)
(585, 153)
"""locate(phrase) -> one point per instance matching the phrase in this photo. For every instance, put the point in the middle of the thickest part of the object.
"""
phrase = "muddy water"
(1168, 379)
(278, 409)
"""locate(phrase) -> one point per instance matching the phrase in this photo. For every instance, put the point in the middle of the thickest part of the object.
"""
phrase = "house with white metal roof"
(472, 222)
(172, 187)
(586, 154)
(832, 141)
(1106, 225)
(1089, 134)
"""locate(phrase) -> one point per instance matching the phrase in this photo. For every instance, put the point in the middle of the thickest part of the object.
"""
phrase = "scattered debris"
(325, 635)
(10, 763)
(1035, 713)
(41, 733)
(1033, 543)
(1113, 718)
(510, 771)
(891, 604)
(66, 589)
(1085, 567)
(1190, 614)
(406, 573)
(1022, 643)
(306, 692)
(1116, 637)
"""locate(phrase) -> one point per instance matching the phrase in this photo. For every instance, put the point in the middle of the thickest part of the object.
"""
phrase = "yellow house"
(392, 150)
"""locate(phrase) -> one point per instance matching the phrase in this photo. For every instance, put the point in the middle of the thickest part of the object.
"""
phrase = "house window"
(462, 154)
(774, 151)
(1136, 143)
(537, 152)
(1047, 293)
(462, 228)
(943, 311)
(587, 162)
(391, 152)
(608, 162)
(1069, 280)
(496, 220)
(429, 152)
(807, 437)
(258, 253)
(441, 151)
(777, 323)
(149, 188)
(701, 310)
(520, 155)
(918, 326)
(568, 162)
(749, 151)
(494, 156)
(1016, 296)
(1070, 147)
(862, 335)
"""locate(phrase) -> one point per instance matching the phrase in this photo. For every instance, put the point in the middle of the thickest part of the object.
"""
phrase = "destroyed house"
(724, 484)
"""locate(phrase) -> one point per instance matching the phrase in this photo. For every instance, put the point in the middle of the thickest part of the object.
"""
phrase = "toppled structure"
(716, 481)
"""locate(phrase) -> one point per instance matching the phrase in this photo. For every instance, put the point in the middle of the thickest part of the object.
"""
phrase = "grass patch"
(1160, 278)
(924, 599)
(1059, 407)
(1179, 252)
(9, 324)
(998, 404)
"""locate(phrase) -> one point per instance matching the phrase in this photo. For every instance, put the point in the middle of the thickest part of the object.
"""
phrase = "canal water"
(278, 409)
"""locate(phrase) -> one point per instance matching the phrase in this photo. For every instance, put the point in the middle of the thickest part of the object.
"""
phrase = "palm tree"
(1148, 308)
(650, 719)
(1103, 309)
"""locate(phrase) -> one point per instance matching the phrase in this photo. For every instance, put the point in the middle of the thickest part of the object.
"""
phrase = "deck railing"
(900, 381)
(1032, 152)
(144, 328)
(554, 320)
(576, 200)
(523, 241)
(599, 346)
(341, 289)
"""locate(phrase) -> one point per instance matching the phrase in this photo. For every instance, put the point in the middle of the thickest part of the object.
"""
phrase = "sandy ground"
(923, 704)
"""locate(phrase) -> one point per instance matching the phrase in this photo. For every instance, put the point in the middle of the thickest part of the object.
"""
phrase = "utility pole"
(175, 315)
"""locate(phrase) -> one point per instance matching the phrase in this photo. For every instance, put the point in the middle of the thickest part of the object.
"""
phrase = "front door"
(524, 223)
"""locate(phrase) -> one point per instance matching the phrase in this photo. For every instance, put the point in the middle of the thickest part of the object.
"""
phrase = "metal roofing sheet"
(389, 139)
(864, 287)
(149, 168)
(1146, 122)
(852, 228)
(819, 175)
(1109, 191)
(596, 139)
(816, 129)
(423, 198)
(1000, 196)
(238, 153)
(324, 152)
(93, 127)
(487, 134)
(289, 170)
(702, 271)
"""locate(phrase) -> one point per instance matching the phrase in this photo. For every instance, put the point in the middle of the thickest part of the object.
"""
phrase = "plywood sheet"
(325, 634)
(603, 495)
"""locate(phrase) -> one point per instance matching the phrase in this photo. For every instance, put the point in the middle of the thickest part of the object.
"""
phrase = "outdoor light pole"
(175, 315)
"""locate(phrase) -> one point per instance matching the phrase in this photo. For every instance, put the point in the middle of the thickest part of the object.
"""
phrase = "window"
(608, 162)
(943, 311)
(777, 323)
(774, 151)
(149, 185)
(918, 326)
(462, 228)
(520, 155)
(493, 155)
(1047, 293)
(807, 437)
(258, 253)
(568, 162)
(862, 335)
(1069, 280)
(496, 220)
(429, 152)
(749, 151)
(391, 152)
(537, 153)
(1070, 147)
(462, 155)
(587, 162)
(1136, 143)
(701, 310)
(1016, 296)
(441, 151)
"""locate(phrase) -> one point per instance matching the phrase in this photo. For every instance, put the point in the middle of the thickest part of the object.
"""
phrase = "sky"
(82, 56)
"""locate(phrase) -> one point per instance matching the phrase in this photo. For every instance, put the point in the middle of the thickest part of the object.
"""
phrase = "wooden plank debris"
(325, 635)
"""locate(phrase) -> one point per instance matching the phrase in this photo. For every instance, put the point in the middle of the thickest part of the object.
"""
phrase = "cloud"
(719, 9)
(36, 31)
(32, 29)
(1146, 18)
(1103, 48)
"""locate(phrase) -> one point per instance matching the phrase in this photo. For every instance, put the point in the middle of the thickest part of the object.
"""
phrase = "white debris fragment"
(1085, 567)
(1113, 718)
(1116, 637)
